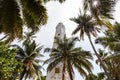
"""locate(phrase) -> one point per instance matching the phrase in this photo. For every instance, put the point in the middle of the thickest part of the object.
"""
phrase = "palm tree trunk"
(70, 70)
(63, 73)
(103, 66)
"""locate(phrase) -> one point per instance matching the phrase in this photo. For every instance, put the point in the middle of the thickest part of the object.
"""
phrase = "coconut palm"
(16, 13)
(87, 25)
(70, 57)
(28, 55)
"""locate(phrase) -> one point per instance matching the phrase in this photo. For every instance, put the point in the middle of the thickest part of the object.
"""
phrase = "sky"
(58, 12)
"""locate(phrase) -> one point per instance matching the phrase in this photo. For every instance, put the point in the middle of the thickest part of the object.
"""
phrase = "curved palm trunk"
(103, 66)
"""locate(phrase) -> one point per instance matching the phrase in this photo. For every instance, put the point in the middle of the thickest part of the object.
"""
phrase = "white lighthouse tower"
(56, 73)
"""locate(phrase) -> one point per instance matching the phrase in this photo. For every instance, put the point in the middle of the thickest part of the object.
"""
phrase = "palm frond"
(54, 63)
(10, 18)
(47, 50)
(61, 1)
(22, 74)
(80, 70)
(101, 10)
(108, 9)
(85, 25)
(36, 10)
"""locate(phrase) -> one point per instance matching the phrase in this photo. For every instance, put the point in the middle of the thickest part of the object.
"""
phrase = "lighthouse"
(56, 73)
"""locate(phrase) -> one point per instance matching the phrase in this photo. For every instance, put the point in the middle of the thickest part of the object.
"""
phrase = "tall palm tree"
(70, 57)
(87, 25)
(28, 55)
(14, 14)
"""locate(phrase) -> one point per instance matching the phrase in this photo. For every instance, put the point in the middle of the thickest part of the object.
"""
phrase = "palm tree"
(70, 57)
(28, 55)
(16, 13)
(87, 25)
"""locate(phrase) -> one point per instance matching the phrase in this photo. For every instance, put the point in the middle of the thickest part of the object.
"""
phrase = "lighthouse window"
(58, 34)
(57, 70)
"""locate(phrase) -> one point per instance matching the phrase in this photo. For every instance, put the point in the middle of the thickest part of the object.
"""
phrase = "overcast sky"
(61, 13)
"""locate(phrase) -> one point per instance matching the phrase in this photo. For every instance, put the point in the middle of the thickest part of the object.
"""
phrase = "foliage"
(85, 25)
(9, 66)
(14, 14)
(99, 76)
(112, 41)
(43, 78)
(101, 10)
(112, 62)
(111, 38)
(70, 57)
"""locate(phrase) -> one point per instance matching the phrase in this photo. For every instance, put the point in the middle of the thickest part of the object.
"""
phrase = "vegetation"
(9, 66)
(23, 62)
(15, 14)
(111, 40)
(99, 76)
